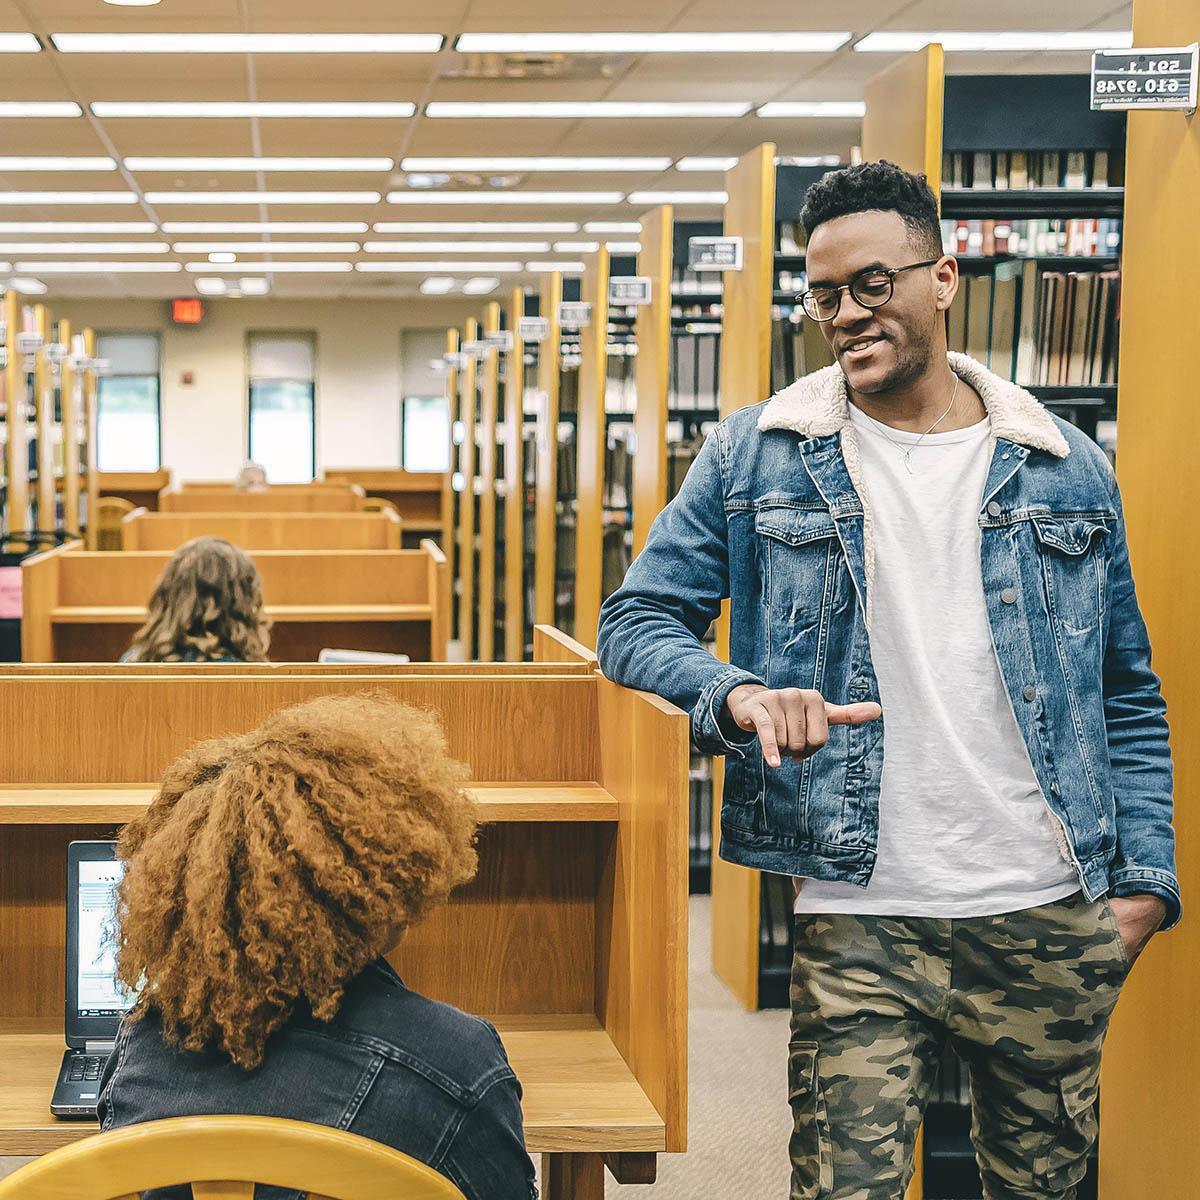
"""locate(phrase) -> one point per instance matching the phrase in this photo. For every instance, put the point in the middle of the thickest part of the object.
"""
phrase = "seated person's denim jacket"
(391, 1066)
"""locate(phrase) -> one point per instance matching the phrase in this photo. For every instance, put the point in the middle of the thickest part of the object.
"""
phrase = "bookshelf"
(452, 502)
(468, 503)
(489, 407)
(546, 472)
(510, 490)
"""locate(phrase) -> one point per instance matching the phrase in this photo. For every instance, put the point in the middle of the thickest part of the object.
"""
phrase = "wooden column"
(15, 400)
(71, 387)
(546, 517)
(466, 515)
(653, 374)
(904, 114)
(1150, 1095)
(590, 439)
(91, 421)
(489, 370)
(448, 525)
(514, 497)
(44, 403)
(745, 379)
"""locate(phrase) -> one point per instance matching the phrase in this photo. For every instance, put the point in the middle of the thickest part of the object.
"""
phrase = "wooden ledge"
(579, 1094)
(103, 804)
(135, 614)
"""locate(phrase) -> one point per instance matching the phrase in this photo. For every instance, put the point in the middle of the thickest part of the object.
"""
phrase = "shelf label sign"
(1138, 79)
(715, 254)
(574, 314)
(28, 342)
(502, 339)
(456, 359)
(475, 350)
(629, 290)
(532, 329)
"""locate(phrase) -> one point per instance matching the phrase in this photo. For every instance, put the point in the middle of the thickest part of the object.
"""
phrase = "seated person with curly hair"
(262, 887)
(207, 607)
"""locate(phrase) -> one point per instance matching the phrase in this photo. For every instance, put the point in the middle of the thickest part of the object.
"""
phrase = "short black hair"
(871, 187)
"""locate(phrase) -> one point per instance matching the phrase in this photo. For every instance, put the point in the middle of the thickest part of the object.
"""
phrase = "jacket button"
(1009, 595)
(1055, 789)
(1030, 691)
(994, 509)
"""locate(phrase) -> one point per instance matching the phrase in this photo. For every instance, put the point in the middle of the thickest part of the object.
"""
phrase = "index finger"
(852, 714)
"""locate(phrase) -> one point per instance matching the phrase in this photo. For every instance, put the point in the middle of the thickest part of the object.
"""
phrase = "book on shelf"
(1077, 237)
(1020, 170)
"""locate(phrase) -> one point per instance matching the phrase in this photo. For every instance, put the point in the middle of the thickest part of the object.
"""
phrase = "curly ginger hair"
(274, 865)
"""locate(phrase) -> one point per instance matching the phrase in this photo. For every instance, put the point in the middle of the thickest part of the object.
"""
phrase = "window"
(128, 419)
(426, 433)
(283, 427)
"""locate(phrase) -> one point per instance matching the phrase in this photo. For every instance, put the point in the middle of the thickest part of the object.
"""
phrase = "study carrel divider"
(142, 530)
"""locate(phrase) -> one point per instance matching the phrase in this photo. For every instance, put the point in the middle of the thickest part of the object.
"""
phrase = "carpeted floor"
(739, 1120)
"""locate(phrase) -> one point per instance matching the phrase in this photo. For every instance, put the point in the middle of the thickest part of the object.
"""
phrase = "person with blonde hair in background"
(262, 888)
(207, 607)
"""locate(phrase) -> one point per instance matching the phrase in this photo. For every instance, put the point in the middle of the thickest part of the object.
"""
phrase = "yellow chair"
(379, 504)
(109, 511)
(223, 1158)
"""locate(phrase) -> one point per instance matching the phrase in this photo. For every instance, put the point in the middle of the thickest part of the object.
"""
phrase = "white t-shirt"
(964, 830)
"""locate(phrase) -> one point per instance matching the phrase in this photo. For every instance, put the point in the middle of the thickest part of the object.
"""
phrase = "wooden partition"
(514, 497)
(546, 515)
(591, 436)
(465, 581)
(1150, 1101)
(309, 499)
(417, 495)
(489, 375)
(141, 488)
(91, 422)
(143, 530)
(83, 606)
(572, 937)
(70, 406)
(903, 123)
(16, 428)
(551, 645)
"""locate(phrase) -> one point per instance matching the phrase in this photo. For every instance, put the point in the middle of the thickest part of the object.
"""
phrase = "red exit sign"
(187, 312)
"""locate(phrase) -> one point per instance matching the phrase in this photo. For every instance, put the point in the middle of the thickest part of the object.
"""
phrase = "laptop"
(95, 1000)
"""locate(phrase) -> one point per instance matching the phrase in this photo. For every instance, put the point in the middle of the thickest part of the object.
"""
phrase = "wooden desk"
(82, 606)
(138, 487)
(142, 530)
(307, 499)
(417, 495)
(572, 937)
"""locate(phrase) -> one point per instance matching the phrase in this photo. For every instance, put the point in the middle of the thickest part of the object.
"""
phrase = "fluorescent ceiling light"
(585, 108)
(27, 286)
(77, 227)
(809, 160)
(264, 227)
(132, 3)
(678, 197)
(567, 268)
(894, 41)
(5, 266)
(813, 108)
(481, 285)
(489, 198)
(19, 43)
(258, 164)
(192, 109)
(441, 268)
(262, 197)
(612, 227)
(99, 268)
(252, 286)
(477, 227)
(49, 162)
(39, 108)
(210, 286)
(592, 247)
(306, 268)
(222, 256)
(705, 164)
(456, 247)
(437, 285)
(247, 43)
(535, 164)
(265, 247)
(651, 43)
(34, 199)
(83, 247)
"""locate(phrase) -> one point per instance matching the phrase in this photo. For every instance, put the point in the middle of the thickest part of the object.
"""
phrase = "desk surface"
(104, 803)
(579, 1094)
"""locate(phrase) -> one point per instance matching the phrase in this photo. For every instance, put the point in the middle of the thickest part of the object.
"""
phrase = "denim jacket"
(392, 1066)
(773, 515)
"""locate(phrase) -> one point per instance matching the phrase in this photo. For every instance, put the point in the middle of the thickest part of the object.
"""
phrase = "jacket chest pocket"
(801, 560)
(1073, 556)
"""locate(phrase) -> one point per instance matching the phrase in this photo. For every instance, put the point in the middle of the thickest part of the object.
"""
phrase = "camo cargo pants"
(1024, 998)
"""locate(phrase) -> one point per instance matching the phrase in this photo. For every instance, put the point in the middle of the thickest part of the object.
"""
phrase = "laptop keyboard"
(86, 1068)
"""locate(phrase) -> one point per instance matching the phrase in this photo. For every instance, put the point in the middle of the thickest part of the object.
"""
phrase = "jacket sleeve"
(1138, 750)
(651, 627)
(487, 1159)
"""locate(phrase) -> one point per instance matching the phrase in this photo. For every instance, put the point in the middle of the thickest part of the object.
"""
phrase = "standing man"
(939, 714)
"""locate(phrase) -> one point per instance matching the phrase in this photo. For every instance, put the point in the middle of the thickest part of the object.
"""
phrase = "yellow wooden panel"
(546, 517)
(70, 410)
(1151, 1104)
(514, 500)
(904, 114)
(466, 519)
(488, 381)
(590, 440)
(449, 525)
(44, 404)
(17, 505)
(90, 423)
(653, 374)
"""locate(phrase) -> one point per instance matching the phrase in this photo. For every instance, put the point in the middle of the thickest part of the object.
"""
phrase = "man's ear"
(945, 275)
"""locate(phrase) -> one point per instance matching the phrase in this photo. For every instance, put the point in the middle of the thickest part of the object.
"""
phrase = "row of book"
(1078, 237)
(1040, 327)
(798, 346)
(1019, 170)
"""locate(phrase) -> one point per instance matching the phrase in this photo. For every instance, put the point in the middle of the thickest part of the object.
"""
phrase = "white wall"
(360, 372)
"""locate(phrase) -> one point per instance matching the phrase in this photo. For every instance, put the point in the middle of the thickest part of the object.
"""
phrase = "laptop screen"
(99, 994)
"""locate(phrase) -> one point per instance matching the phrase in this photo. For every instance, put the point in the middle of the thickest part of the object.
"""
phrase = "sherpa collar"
(817, 405)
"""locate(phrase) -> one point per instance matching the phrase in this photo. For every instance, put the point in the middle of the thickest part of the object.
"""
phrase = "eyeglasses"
(871, 288)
